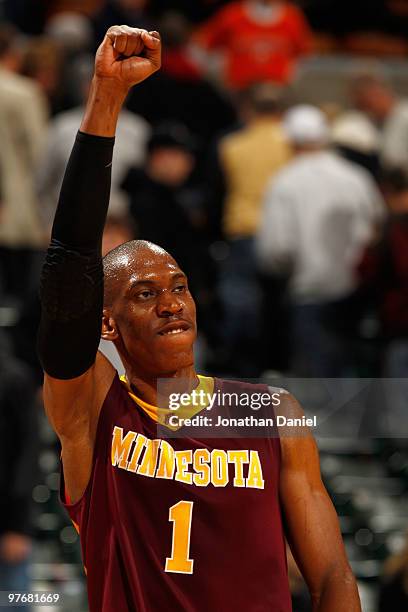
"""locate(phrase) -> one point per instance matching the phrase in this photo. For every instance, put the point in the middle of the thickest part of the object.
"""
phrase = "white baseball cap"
(304, 124)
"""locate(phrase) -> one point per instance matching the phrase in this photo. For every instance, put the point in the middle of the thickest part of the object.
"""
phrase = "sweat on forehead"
(132, 257)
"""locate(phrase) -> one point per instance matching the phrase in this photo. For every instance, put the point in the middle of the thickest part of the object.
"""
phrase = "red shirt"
(257, 49)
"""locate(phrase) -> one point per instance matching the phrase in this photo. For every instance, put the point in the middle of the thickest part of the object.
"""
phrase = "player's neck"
(147, 388)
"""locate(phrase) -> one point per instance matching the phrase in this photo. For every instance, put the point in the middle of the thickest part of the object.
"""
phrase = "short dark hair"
(174, 135)
(263, 98)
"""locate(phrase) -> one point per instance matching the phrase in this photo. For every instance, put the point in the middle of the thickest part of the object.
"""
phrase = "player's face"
(154, 316)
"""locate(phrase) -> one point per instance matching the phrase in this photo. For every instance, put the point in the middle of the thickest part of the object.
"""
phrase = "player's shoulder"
(286, 177)
(348, 170)
(232, 139)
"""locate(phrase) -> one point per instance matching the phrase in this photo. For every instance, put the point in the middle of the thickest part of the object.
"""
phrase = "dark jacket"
(18, 446)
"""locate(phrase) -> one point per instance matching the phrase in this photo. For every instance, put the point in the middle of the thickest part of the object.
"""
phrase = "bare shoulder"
(297, 442)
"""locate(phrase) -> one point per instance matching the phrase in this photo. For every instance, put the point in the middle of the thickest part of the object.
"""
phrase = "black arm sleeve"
(71, 287)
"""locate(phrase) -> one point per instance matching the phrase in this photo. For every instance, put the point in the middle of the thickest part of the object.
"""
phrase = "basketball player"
(170, 525)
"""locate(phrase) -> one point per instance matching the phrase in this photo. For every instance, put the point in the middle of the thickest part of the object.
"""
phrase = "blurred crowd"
(291, 220)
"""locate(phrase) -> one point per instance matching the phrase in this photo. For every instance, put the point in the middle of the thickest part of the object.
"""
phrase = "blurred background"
(270, 157)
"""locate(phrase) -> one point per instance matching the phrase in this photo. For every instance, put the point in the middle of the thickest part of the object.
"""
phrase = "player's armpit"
(73, 408)
(311, 523)
(71, 404)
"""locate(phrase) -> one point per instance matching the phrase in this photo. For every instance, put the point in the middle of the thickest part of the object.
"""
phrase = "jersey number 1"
(180, 515)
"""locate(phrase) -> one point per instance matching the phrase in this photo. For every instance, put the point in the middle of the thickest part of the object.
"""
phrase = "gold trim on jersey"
(160, 415)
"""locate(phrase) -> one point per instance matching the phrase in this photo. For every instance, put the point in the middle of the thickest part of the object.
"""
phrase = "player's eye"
(145, 294)
(180, 288)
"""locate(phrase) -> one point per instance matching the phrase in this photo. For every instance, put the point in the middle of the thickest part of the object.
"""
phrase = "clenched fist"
(128, 55)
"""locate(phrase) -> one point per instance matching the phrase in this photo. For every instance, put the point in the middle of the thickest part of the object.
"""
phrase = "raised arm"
(311, 522)
(77, 378)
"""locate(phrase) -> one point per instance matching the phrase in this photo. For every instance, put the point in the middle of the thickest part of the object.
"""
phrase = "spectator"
(248, 157)
(319, 214)
(160, 191)
(394, 587)
(384, 270)
(133, 132)
(180, 92)
(18, 471)
(43, 62)
(72, 31)
(71, 34)
(163, 190)
(23, 119)
(358, 140)
(374, 96)
(261, 40)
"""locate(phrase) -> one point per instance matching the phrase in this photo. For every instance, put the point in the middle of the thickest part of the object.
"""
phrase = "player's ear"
(109, 331)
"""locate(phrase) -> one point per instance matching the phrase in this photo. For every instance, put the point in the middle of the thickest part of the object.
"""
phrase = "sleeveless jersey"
(183, 524)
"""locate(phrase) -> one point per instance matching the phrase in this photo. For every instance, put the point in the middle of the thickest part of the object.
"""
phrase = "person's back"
(22, 126)
(319, 213)
(384, 269)
(246, 159)
(383, 274)
(332, 205)
(249, 157)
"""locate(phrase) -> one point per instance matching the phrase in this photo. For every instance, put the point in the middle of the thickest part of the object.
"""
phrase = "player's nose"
(169, 305)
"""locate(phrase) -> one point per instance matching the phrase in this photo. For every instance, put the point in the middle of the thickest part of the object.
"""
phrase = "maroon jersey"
(180, 524)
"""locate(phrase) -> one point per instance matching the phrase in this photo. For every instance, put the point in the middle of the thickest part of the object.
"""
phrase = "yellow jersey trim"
(159, 415)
